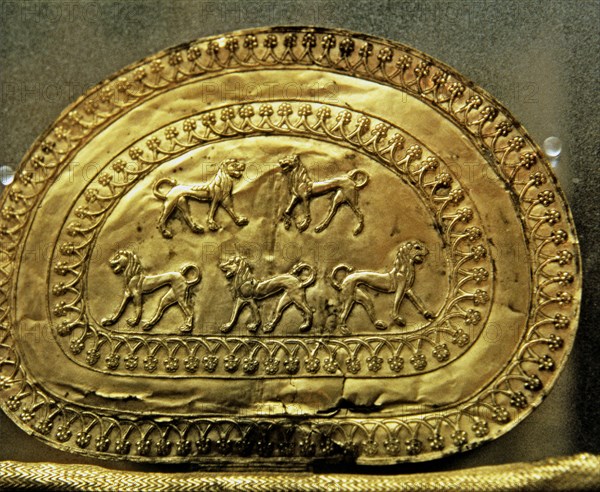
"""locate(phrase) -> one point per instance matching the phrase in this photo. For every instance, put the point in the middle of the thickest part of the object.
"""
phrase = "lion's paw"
(305, 327)
(226, 328)
(252, 327)
(344, 330)
(186, 328)
(303, 225)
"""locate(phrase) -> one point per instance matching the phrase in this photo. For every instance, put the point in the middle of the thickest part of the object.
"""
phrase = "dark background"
(539, 58)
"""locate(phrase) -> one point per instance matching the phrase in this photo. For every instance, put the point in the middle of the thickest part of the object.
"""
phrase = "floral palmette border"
(427, 174)
(553, 255)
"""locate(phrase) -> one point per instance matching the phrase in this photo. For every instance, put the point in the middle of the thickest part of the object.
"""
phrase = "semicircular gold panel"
(283, 244)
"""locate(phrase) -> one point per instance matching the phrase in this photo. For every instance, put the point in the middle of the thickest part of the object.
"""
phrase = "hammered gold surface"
(284, 245)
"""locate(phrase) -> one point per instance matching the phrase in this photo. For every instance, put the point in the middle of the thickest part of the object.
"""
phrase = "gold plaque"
(280, 246)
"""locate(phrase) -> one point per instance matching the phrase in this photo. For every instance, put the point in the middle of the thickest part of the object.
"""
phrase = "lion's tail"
(158, 184)
(360, 177)
(195, 277)
(307, 279)
(338, 274)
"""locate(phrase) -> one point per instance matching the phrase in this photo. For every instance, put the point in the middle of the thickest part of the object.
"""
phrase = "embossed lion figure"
(138, 284)
(247, 290)
(218, 192)
(353, 285)
(302, 188)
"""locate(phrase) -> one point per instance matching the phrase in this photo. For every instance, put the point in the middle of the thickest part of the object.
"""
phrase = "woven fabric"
(579, 472)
